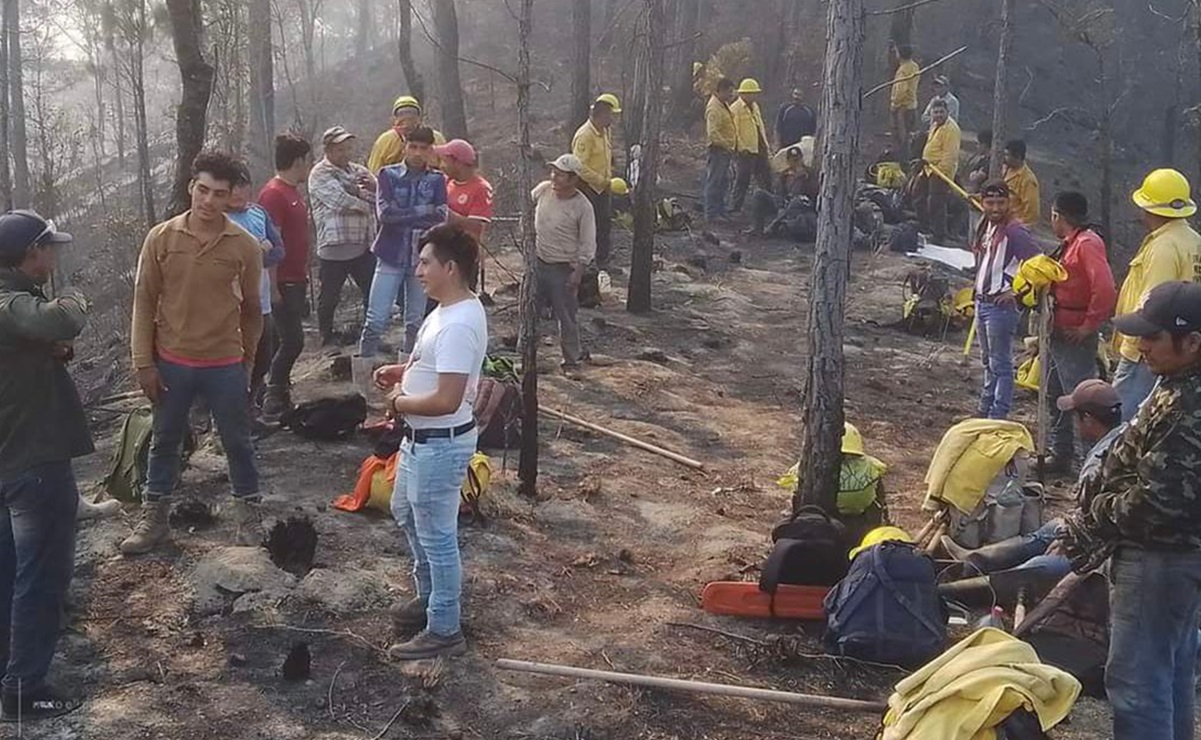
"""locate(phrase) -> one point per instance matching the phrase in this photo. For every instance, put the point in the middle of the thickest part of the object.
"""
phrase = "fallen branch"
(696, 687)
(714, 630)
(687, 461)
(330, 698)
(902, 8)
(890, 83)
(393, 720)
(315, 631)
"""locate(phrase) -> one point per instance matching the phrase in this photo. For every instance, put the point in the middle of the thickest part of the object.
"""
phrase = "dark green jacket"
(41, 417)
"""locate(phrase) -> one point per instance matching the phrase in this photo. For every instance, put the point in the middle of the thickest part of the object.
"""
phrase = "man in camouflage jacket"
(1143, 507)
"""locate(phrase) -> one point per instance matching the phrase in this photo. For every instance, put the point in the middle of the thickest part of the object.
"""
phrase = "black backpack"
(887, 609)
(327, 418)
(810, 550)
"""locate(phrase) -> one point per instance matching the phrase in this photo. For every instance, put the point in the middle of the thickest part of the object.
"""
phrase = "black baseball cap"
(1173, 307)
(995, 187)
(20, 230)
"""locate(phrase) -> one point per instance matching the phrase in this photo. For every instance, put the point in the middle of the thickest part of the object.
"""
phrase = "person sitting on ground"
(795, 121)
(1170, 251)
(941, 153)
(433, 393)
(1000, 245)
(196, 329)
(1023, 185)
(942, 91)
(1083, 303)
(1096, 412)
(566, 244)
(797, 181)
(251, 216)
(45, 428)
(1140, 511)
(410, 198)
(389, 147)
(343, 197)
(593, 146)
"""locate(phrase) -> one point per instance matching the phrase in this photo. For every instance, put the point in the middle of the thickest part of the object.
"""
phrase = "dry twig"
(393, 720)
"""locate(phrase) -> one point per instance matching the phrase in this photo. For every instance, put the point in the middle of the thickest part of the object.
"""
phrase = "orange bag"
(374, 472)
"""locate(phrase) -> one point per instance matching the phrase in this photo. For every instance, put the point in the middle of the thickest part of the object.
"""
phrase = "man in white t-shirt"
(433, 393)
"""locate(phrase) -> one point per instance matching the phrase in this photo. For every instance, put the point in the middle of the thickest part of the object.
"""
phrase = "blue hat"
(20, 230)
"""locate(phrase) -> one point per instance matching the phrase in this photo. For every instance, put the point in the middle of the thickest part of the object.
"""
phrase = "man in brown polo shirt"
(196, 325)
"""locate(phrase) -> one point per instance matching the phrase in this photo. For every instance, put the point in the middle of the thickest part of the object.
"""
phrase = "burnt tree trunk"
(1001, 89)
(262, 88)
(842, 111)
(527, 467)
(901, 28)
(197, 76)
(581, 63)
(18, 140)
(642, 253)
(142, 131)
(6, 178)
(681, 76)
(404, 50)
(365, 31)
(454, 113)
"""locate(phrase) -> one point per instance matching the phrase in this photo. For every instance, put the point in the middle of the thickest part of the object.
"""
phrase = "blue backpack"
(887, 608)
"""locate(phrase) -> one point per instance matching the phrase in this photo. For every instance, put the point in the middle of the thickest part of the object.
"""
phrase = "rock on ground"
(229, 572)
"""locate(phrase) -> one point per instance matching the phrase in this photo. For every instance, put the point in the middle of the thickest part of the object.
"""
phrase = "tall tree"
(581, 63)
(6, 180)
(450, 89)
(1000, 102)
(18, 141)
(681, 75)
(365, 31)
(404, 50)
(842, 111)
(642, 254)
(196, 73)
(262, 87)
(527, 467)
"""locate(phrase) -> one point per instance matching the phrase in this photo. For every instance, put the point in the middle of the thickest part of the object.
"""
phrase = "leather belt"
(424, 435)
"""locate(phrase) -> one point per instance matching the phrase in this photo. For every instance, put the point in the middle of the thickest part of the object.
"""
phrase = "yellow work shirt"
(904, 88)
(748, 122)
(594, 148)
(1023, 194)
(942, 148)
(1170, 253)
(389, 149)
(720, 130)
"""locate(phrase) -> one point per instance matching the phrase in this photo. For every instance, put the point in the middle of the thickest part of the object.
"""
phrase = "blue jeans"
(425, 503)
(1133, 381)
(391, 285)
(37, 557)
(1071, 364)
(995, 327)
(224, 390)
(1154, 602)
(717, 182)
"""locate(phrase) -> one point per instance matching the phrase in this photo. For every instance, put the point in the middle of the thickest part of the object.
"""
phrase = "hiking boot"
(152, 530)
(427, 645)
(43, 703)
(247, 517)
(409, 616)
(277, 402)
(1001, 555)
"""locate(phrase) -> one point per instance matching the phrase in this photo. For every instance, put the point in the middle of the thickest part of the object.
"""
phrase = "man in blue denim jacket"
(410, 199)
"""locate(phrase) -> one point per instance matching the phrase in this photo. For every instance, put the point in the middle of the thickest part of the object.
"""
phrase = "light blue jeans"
(425, 503)
(1154, 601)
(995, 327)
(390, 284)
(1133, 381)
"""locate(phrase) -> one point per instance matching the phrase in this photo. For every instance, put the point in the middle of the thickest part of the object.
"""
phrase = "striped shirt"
(999, 249)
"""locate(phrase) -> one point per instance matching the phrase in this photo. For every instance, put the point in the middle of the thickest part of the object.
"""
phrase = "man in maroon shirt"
(282, 199)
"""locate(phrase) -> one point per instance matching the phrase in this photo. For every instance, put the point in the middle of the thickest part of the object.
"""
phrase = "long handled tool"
(696, 687)
(687, 461)
(973, 200)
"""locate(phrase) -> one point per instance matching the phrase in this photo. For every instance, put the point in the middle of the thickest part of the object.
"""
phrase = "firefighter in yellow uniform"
(1170, 252)
(389, 147)
(752, 160)
(593, 146)
(903, 101)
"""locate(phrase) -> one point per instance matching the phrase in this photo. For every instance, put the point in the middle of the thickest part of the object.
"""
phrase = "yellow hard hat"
(852, 440)
(749, 86)
(1037, 274)
(1166, 193)
(610, 100)
(406, 101)
(881, 534)
(618, 186)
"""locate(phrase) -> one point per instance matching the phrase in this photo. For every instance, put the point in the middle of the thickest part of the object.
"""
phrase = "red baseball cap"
(458, 150)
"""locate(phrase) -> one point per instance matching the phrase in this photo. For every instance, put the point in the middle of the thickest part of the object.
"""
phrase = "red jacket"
(1088, 297)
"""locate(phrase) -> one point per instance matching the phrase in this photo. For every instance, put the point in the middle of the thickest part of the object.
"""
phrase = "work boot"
(42, 703)
(88, 510)
(277, 402)
(427, 645)
(409, 616)
(152, 530)
(1008, 553)
(247, 518)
